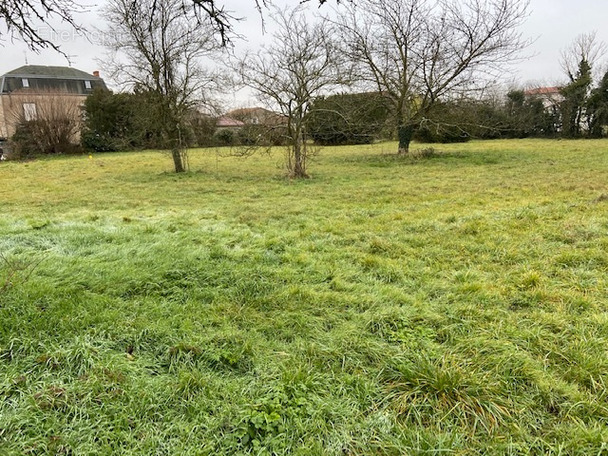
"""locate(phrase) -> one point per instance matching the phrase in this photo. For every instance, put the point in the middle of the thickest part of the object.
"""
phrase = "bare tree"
(300, 65)
(420, 52)
(158, 50)
(22, 18)
(585, 47)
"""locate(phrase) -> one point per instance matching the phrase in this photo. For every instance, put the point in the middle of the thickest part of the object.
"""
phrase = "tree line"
(403, 69)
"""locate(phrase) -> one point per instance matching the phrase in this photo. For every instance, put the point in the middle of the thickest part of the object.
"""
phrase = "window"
(25, 82)
(87, 84)
(29, 111)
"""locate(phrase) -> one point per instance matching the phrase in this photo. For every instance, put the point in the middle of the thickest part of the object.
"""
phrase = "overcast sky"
(553, 24)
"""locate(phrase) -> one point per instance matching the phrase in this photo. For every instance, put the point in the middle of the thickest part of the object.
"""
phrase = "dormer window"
(87, 85)
(25, 82)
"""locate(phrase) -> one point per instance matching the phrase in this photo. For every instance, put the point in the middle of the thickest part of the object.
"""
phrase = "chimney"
(96, 73)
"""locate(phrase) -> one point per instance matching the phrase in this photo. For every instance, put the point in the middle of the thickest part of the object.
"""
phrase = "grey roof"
(37, 78)
(42, 71)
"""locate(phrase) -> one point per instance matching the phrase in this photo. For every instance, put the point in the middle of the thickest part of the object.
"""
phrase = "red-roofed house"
(551, 97)
(228, 123)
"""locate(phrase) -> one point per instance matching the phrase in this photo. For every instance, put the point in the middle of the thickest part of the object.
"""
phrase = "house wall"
(12, 111)
(3, 131)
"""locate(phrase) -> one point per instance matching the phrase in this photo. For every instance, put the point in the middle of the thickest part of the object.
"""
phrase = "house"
(257, 116)
(228, 123)
(250, 126)
(25, 91)
(239, 118)
(551, 97)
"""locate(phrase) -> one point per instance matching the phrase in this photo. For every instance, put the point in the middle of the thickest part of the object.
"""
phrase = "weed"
(14, 271)
(425, 152)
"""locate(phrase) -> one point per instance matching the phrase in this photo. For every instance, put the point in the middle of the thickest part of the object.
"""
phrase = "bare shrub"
(426, 152)
(49, 125)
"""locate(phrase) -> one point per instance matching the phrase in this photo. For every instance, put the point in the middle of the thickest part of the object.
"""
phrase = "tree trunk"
(172, 139)
(178, 159)
(405, 133)
(299, 167)
(299, 159)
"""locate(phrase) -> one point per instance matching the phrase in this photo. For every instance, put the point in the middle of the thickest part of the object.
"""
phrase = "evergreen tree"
(597, 109)
(121, 121)
(576, 95)
(528, 116)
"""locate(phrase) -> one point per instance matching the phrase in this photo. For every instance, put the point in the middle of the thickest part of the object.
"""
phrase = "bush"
(449, 122)
(122, 121)
(438, 133)
(98, 142)
(42, 136)
(224, 138)
(426, 152)
(458, 121)
(23, 144)
(203, 130)
(262, 135)
(348, 119)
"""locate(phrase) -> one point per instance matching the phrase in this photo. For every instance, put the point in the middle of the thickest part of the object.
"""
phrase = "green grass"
(453, 304)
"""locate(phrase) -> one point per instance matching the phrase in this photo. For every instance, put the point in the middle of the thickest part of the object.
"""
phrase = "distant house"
(228, 123)
(251, 126)
(551, 97)
(257, 116)
(25, 90)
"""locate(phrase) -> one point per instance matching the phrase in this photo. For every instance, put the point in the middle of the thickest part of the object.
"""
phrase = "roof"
(226, 121)
(54, 72)
(543, 91)
(247, 111)
(58, 79)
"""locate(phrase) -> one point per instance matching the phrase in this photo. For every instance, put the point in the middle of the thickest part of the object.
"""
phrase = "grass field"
(452, 304)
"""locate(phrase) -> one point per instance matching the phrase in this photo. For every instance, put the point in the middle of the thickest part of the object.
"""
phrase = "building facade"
(31, 91)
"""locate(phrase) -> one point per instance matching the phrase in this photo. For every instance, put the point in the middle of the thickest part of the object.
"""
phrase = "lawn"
(455, 303)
